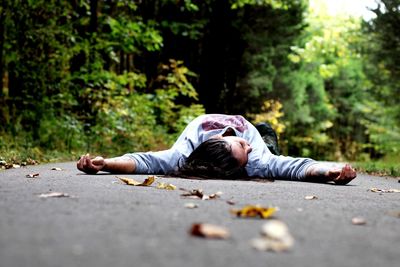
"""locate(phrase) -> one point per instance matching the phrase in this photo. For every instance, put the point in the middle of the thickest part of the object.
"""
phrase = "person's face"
(240, 148)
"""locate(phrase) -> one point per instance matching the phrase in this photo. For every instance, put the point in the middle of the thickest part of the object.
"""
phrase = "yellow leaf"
(166, 186)
(129, 181)
(254, 211)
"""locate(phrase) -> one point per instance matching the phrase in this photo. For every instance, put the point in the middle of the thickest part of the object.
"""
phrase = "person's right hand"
(90, 166)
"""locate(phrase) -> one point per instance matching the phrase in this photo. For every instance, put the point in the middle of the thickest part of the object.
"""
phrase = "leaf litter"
(358, 221)
(53, 195)
(32, 175)
(198, 193)
(275, 237)
(211, 231)
(390, 190)
(165, 186)
(129, 181)
(311, 197)
(254, 211)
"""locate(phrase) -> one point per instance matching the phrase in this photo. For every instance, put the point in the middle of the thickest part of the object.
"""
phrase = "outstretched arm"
(325, 172)
(113, 165)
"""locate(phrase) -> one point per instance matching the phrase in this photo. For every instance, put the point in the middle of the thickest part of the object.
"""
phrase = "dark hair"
(212, 159)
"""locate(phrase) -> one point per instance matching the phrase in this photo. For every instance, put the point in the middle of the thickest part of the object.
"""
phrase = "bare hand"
(90, 166)
(342, 176)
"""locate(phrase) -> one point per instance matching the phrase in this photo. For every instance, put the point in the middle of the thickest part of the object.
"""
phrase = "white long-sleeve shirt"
(261, 162)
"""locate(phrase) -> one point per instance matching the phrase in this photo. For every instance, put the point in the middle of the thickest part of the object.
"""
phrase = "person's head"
(218, 157)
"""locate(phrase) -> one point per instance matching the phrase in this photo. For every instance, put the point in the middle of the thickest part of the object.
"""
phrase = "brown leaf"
(251, 211)
(391, 190)
(129, 181)
(209, 231)
(53, 194)
(198, 193)
(32, 175)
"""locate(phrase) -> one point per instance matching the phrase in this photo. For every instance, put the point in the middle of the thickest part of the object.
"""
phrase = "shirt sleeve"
(160, 162)
(281, 167)
(262, 163)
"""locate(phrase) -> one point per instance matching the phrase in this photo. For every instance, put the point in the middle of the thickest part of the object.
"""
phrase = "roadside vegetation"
(110, 77)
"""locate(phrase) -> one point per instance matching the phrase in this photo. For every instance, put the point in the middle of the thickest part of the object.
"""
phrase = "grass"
(389, 166)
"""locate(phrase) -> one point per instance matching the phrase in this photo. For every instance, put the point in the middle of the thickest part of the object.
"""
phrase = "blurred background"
(116, 76)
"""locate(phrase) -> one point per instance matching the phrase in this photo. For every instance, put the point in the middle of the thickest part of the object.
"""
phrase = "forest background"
(116, 76)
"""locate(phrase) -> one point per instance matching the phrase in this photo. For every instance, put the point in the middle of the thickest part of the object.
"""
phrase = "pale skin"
(319, 172)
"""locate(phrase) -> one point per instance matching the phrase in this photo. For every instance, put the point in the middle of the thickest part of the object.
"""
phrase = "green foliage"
(116, 76)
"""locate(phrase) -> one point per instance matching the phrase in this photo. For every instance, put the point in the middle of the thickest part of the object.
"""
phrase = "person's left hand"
(342, 176)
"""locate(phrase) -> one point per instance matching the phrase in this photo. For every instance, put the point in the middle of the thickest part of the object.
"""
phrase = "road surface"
(106, 223)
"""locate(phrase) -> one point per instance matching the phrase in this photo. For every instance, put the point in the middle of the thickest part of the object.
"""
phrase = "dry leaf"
(129, 181)
(276, 237)
(195, 193)
(310, 197)
(358, 221)
(32, 175)
(391, 190)
(191, 205)
(209, 231)
(198, 193)
(56, 169)
(230, 202)
(254, 211)
(53, 194)
(166, 186)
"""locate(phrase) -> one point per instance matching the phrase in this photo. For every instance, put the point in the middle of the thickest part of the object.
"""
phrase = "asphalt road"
(107, 223)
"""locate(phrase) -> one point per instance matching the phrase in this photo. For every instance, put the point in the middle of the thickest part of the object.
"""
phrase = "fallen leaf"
(358, 221)
(16, 166)
(166, 186)
(56, 169)
(230, 202)
(310, 197)
(191, 205)
(251, 211)
(391, 190)
(129, 181)
(53, 194)
(198, 193)
(275, 237)
(209, 231)
(32, 175)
